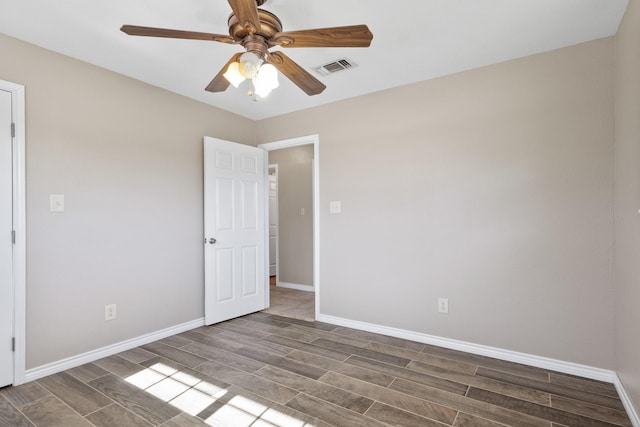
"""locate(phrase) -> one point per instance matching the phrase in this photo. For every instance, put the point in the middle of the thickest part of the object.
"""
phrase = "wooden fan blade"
(246, 12)
(134, 30)
(219, 83)
(298, 75)
(351, 36)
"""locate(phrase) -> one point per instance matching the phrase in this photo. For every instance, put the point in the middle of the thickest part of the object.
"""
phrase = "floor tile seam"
(262, 348)
(73, 409)
(322, 334)
(337, 406)
(22, 413)
(361, 338)
(244, 346)
(548, 397)
(243, 373)
(605, 408)
(411, 371)
(430, 402)
(383, 355)
(409, 411)
(455, 418)
(485, 387)
(454, 405)
(608, 395)
(514, 373)
(552, 395)
(227, 365)
(87, 384)
(443, 359)
(196, 355)
(595, 418)
(319, 380)
(569, 413)
(131, 412)
(560, 388)
(311, 344)
(18, 407)
(586, 381)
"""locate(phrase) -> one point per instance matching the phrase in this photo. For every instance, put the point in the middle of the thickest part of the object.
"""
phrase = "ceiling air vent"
(335, 66)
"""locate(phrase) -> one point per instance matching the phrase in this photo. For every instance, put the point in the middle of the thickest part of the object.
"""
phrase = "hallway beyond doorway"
(291, 302)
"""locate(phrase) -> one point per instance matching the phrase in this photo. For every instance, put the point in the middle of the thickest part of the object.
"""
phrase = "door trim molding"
(295, 142)
(19, 225)
(274, 166)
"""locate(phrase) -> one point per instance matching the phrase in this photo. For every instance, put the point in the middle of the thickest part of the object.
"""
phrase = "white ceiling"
(414, 40)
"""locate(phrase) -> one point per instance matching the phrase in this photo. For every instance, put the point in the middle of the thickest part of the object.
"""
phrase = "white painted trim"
(294, 142)
(275, 167)
(19, 225)
(90, 356)
(296, 286)
(483, 350)
(626, 401)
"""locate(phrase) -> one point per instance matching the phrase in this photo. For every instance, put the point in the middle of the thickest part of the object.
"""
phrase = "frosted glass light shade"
(249, 64)
(233, 74)
(266, 80)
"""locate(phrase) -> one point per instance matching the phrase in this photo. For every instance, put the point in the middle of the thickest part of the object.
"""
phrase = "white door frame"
(275, 167)
(19, 226)
(295, 142)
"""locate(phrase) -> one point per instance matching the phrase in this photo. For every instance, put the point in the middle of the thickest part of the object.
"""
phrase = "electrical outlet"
(443, 305)
(110, 312)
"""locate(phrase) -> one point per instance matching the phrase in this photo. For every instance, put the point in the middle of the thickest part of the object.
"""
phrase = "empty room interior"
(443, 230)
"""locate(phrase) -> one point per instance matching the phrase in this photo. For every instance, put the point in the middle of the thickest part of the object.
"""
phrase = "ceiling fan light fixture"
(249, 64)
(233, 74)
(266, 80)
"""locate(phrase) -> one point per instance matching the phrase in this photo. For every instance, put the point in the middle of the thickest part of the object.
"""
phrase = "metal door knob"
(212, 241)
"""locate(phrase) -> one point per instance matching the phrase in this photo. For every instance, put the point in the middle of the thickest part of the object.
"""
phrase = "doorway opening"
(293, 227)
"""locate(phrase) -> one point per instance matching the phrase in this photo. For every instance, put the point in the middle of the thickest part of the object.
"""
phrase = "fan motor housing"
(269, 25)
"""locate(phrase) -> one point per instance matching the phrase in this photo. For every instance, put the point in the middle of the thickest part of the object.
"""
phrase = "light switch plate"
(335, 207)
(56, 202)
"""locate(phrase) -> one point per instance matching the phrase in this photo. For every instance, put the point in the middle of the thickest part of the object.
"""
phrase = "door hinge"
(13, 344)
(13, 236)
(13, 130)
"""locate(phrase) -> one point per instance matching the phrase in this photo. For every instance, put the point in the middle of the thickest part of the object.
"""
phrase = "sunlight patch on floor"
(194, 396)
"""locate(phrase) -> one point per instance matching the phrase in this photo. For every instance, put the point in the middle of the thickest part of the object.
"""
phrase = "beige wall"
(128, 158)
(627, 202)
(492, 187)
(295, 192)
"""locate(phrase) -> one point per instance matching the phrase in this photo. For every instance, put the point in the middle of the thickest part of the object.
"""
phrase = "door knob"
(212, 241)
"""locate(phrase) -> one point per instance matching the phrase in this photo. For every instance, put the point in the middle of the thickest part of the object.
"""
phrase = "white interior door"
(234, 209)
(6, 243)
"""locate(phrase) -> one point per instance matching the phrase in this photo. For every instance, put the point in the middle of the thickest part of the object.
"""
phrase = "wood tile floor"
(266, 370)
(291, 303)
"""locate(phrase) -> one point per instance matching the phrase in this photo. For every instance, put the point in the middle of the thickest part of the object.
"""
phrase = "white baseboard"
(295, 286)
(626, 401)
(483, 350)
(90, 356)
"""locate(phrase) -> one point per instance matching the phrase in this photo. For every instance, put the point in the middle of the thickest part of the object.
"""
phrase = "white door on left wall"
(6, 241)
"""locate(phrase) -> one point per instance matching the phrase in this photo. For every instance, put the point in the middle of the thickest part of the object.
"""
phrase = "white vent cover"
(335, 66)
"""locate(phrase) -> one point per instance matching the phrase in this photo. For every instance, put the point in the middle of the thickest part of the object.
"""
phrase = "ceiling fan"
(258, 30)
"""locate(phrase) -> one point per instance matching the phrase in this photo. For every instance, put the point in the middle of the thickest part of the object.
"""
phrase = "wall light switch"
(302, 212)
(56, 202)
(335, 207)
